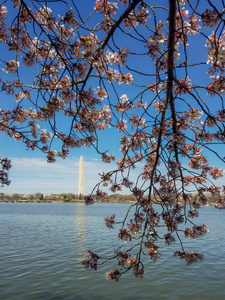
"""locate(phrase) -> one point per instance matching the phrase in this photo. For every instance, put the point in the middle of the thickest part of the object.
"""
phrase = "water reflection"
(80, 231)
(42, 246)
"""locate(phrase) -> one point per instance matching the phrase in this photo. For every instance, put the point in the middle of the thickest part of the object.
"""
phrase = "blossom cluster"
(210, 18)
(197, 231)
(139, 17)
(127, 262)
(113, 274)
(189, 257)
(95, 72)
(89, 200)
(110, 221)
(91, 261)
(5, 164)
(55, 68)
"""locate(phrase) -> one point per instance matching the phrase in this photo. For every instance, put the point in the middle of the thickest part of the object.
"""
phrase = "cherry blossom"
(123, 69)
(113, 274)
(12, 66)
(28, 60)
(210, 18)
(189, 257)
(89, 200)
(110, 221)
(3, 13)
(91, 261)
(5, 166)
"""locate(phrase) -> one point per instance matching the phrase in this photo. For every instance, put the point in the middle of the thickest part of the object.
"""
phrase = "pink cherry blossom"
(123, 69)
(12, 66)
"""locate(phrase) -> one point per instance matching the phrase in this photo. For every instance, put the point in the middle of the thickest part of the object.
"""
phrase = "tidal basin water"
(42, 246)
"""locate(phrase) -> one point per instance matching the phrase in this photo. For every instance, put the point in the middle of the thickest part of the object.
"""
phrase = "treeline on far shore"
(69, 197)
(39, 197)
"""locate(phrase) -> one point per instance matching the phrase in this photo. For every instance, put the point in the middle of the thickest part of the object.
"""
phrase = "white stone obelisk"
(81, 177)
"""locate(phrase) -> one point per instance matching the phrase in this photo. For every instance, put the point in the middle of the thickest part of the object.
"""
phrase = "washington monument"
(81, 177)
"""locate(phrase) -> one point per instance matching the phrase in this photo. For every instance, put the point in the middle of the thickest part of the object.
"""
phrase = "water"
(42, 246)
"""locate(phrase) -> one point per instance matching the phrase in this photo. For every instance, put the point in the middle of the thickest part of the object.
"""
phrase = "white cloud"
(31, 175)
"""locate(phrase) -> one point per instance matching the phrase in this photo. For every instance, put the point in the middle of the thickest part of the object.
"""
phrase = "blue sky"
(31, 173)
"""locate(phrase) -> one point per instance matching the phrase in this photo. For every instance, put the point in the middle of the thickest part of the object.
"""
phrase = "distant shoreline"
(59, 201)
(78, 201)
